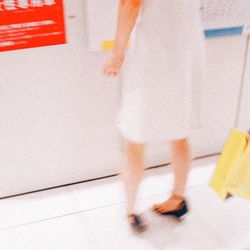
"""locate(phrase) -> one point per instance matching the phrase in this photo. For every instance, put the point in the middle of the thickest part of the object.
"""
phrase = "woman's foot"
(136, 222)
(175, 205)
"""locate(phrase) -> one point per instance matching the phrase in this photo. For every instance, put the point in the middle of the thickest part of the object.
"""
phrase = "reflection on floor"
(92, 216)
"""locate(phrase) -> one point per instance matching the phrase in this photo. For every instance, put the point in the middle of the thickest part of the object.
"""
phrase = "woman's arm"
(127, 15)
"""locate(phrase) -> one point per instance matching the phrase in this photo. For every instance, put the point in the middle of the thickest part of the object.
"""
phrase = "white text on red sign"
(24, 4)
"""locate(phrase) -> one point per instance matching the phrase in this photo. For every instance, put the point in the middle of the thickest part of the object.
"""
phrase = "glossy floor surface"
(92, 216)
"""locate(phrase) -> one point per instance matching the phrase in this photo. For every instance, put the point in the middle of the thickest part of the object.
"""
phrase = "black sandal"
(178, 213)
(137, 223)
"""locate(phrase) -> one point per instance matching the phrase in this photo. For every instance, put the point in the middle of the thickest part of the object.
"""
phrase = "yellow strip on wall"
(109, 45)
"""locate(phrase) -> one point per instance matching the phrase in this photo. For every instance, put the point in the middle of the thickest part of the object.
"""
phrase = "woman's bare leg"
(181, 159)
(132, 171)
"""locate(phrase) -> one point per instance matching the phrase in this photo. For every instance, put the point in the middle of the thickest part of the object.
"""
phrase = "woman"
(156, 99)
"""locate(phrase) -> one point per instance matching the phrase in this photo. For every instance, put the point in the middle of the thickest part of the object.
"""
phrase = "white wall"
(225, 67)
(244, 114)
(57, 111)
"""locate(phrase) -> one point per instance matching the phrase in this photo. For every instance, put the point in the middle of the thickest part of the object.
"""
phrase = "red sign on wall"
(31, 23)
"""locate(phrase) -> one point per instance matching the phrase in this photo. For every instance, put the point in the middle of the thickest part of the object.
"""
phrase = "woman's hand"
(113, 64)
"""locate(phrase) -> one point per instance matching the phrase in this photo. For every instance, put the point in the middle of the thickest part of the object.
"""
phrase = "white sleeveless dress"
(163, 73)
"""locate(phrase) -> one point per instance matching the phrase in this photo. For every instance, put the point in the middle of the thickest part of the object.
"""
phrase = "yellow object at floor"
(238, 179)
(229, 170)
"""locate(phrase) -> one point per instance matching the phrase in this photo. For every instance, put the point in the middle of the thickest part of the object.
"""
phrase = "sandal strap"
(131, 215)
(136, 217)
(137, 220)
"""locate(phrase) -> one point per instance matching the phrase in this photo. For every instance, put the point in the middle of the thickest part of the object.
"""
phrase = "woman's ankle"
(131, 212)
(178, 197)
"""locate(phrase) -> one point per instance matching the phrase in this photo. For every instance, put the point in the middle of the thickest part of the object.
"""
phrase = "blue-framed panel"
(229, 31)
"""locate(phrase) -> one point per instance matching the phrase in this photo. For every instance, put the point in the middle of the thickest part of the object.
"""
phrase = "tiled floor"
(92, 216)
